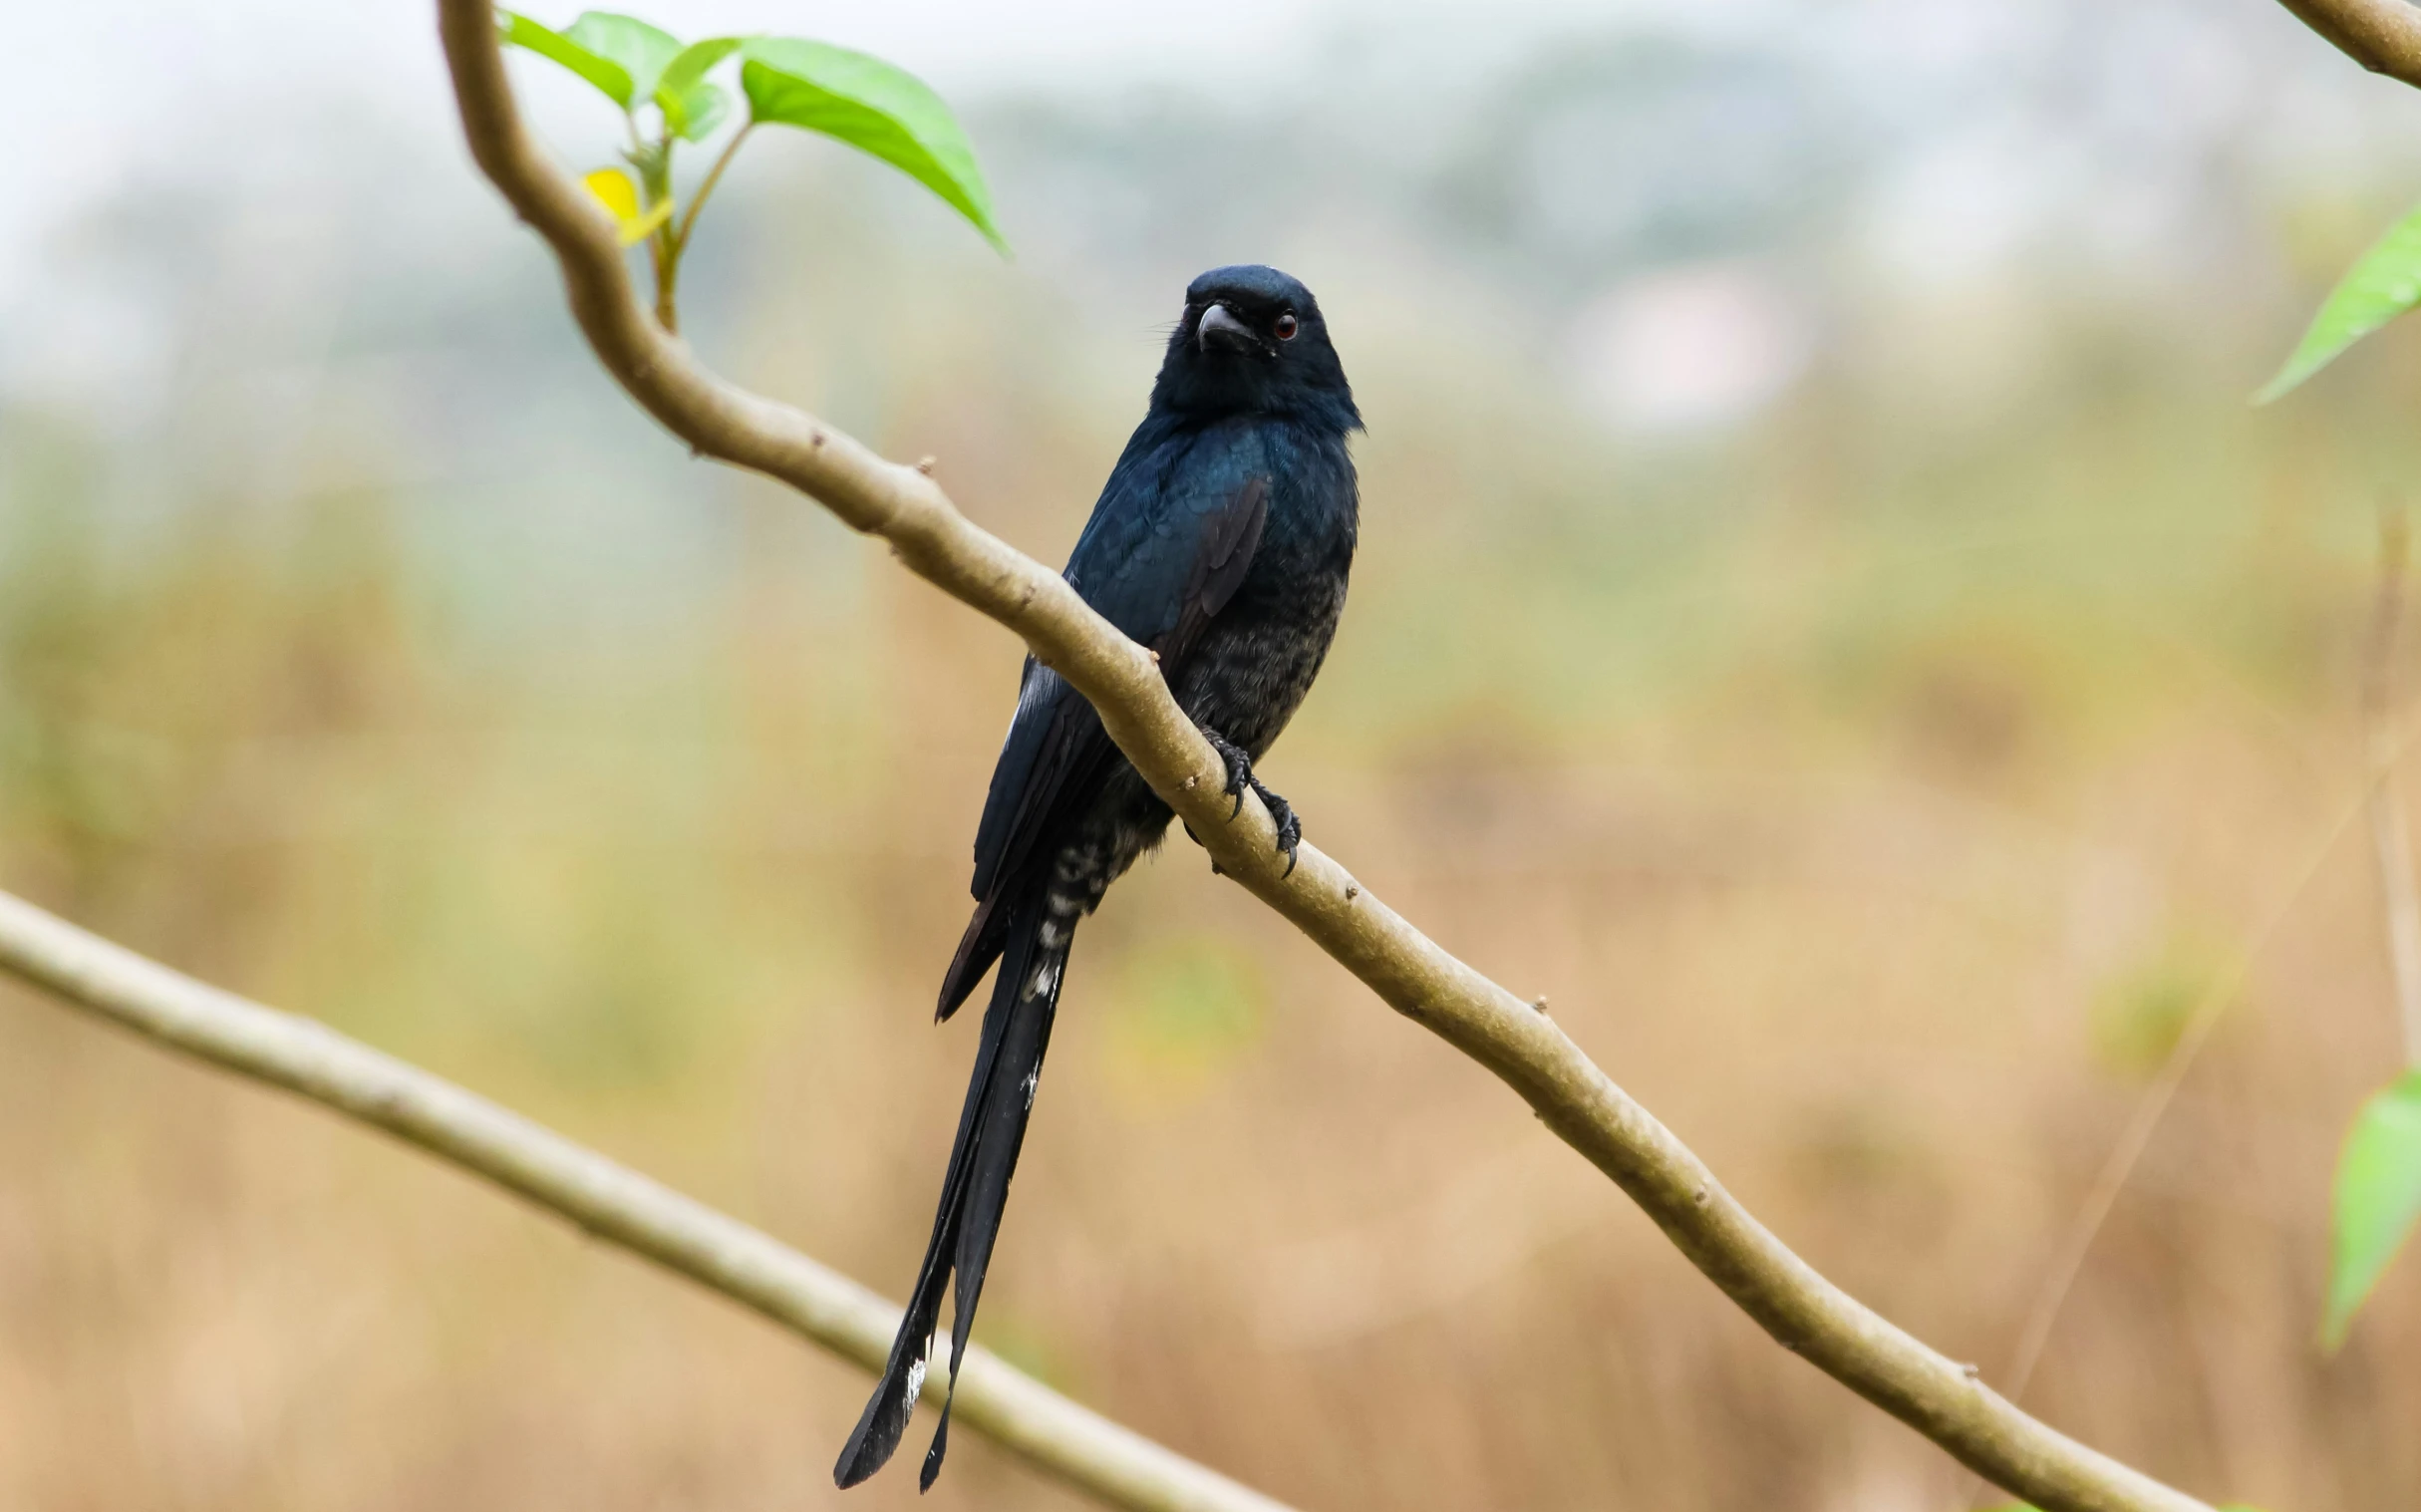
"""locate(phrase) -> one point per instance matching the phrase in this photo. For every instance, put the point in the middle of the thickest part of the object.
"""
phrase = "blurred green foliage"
(2377, 1202)
(1188, 1007)
(2140, 1016)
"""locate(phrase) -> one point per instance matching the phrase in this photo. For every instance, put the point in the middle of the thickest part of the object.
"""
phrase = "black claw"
(1239, 769)
(1240, 776)
(1289, 829)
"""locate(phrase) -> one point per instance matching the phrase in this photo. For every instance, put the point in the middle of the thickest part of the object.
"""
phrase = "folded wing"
(1161, 573)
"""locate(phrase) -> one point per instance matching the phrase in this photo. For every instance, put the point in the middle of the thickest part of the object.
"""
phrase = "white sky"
(98, 80)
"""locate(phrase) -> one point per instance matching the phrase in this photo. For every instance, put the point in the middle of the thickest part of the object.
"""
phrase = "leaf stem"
(714, 176)
(666, 254)
(653, 182)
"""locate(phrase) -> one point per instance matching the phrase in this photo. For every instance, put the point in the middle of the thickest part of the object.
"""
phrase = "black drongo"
(1221, 541)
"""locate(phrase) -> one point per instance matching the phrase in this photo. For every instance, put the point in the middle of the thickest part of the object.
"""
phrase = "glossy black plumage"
(1221, 540)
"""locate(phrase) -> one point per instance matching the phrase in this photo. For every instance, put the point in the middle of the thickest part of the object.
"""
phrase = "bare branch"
(1809, 1315)
(613, 1203)
(2390, 834)
(2384, 36)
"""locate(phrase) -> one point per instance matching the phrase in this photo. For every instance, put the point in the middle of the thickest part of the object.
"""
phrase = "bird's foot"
(1239, 768)
(1239, 777)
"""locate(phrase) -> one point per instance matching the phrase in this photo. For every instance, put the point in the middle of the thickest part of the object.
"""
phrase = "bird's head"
(1252, 341)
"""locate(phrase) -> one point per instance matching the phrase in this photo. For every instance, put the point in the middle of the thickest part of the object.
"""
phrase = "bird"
(1222, 542)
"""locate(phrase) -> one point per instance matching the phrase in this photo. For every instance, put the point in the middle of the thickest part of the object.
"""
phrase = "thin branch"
(2119, 1165)
(713, 176)
(2384, 36)
(1412, 974)
(2390, 834)
(2387, 747)
(610, 1202)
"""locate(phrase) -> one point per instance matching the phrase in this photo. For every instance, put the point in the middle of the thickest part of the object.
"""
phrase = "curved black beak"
(1219, 327)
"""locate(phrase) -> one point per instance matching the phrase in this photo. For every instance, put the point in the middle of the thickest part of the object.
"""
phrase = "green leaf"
(695, 114)
(2378, 1196)
(694, 62)
(874, 107)
(641, 51)
(604, 73)
(692, 106)
(2384, 284)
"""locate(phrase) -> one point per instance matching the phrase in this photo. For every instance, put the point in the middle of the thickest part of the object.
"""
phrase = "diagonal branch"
(1806, 1313)
(2390, 834)
(615, 1204)
(2384, 36)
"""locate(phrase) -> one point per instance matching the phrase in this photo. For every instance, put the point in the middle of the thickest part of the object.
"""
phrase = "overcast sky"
(2013, 122)
(97, 80)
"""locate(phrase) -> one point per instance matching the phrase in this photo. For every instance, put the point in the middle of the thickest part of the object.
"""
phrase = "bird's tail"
(1008, 1062)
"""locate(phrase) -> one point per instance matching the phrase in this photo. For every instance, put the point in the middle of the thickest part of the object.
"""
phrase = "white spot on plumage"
(1045, 978)
(916, 1386)
(1032, 1077)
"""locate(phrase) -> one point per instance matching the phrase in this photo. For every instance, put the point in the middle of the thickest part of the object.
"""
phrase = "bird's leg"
(1239, 777)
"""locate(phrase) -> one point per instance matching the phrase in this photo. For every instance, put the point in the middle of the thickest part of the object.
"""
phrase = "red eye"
(1286, 327)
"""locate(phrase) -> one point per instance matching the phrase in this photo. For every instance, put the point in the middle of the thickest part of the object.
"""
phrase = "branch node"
(1701, 1196)
(925, 465)
(1539, 1003)
(1353, 890)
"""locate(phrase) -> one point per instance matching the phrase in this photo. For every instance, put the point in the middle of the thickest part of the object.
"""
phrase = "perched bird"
(1221, 541)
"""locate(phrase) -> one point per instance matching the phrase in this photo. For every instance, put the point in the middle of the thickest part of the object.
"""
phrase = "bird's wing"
(1168, 546)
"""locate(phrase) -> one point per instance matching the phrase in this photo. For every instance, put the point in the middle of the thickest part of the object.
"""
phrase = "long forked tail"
(975, 1188)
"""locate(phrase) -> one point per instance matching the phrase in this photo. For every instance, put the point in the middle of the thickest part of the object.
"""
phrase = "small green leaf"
(694, 63)
(641, 51)
(2384, 284)
(874, 107)
(2378, 1196)
(604, 73)
(695, 114)
(692, 106)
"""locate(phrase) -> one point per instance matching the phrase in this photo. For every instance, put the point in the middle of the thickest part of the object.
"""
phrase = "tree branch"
(2390, 836)
(1806, 1313)
(2384, 36)
(613, 1203)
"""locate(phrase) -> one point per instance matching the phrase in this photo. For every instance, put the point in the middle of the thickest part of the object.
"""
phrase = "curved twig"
(609, 1201)
(2384, 36)
(1808, 1313)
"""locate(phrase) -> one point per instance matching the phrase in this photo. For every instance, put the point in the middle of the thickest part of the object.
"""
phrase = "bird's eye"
(1286, 327)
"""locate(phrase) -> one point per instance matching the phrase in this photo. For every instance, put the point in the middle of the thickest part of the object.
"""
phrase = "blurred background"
(1828, 619)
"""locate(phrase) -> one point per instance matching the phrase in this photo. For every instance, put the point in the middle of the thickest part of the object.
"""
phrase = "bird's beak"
(1219, 327)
